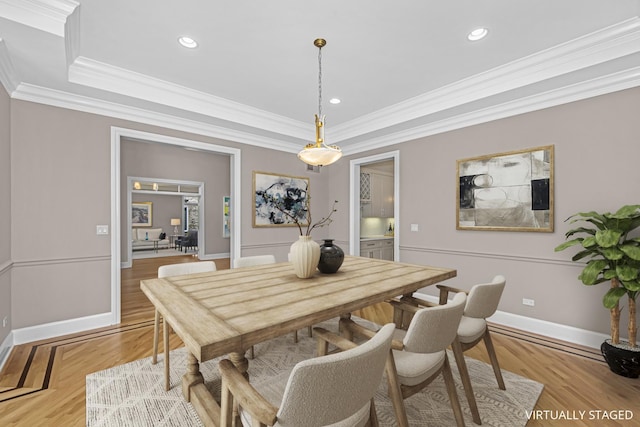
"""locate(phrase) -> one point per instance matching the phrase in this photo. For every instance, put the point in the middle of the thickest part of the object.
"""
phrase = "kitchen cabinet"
(377, 248)
(379, 202)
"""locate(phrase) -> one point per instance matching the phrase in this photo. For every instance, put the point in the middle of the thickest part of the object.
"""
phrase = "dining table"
(225, 312)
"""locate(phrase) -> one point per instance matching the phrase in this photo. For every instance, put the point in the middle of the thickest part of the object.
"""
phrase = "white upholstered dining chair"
(419, 353)
(168, 271)
(335, 390)
(249, 261)
(482, 302)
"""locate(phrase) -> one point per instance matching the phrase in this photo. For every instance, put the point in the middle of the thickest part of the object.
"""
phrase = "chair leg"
(165, 330)
(373, 415)
(226, 405)
(395, 393)
(494, 359)
(252, 353)
(295, 337)
(466, 381)
(310, 331)
(451, 390)
(156, 327)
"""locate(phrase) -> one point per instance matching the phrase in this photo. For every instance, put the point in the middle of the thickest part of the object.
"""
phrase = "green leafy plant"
(612, 256)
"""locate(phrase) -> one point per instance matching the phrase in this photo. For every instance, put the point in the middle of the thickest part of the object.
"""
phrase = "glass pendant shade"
(320, 154)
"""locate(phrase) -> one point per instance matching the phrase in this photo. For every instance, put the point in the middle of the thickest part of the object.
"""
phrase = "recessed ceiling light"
(334, 101)
(188, 42)
(477, 34)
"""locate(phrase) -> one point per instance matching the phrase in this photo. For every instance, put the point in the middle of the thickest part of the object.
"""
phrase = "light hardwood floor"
(43, 383)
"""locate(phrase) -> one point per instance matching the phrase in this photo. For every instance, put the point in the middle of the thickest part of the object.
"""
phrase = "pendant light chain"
(320, 82)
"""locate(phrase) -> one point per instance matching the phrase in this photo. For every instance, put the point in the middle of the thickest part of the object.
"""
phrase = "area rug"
(133, 394)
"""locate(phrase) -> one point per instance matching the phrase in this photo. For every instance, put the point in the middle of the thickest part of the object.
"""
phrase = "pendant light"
(320, 154)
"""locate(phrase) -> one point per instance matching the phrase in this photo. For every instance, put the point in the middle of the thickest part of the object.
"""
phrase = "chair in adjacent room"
(482, 302)
(334, 390)
(419, 353)
(190, 241)
(168, 271)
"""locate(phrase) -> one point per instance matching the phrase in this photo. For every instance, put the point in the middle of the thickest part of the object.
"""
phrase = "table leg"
(242, 364)
(345, 333)
(192, 377)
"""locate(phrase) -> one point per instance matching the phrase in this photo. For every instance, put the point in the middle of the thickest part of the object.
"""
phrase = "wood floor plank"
(574, 379)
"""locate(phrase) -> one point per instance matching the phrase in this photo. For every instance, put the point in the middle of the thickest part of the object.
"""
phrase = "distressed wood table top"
(230, 310)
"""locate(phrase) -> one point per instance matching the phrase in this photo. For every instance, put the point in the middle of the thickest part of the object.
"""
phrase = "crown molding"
(595, 87)
(41, 95)
(44, 15)
(8, 76)
(601, 46)
(72, 36)
(88, 72)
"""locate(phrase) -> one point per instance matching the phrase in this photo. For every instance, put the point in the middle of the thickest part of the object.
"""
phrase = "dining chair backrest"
(432, 329)
(484, 298)
(250, 261)
(336, 389)
(186, 268)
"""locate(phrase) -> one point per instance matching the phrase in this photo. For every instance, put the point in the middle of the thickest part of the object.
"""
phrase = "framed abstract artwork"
(141, 214)
(510, 191)
(279, 200)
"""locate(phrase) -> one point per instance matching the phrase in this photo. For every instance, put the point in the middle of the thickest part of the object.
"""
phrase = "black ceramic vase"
(331, 257)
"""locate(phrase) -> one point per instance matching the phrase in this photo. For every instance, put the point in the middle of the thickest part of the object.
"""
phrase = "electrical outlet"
(415, 227)
(102, 230)
(529, 302)
(5, 321)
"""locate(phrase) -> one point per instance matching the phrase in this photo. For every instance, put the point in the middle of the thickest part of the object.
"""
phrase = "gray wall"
(596, 168)
(60, 191)
(61, 174)
(154, 160)
(5, 212)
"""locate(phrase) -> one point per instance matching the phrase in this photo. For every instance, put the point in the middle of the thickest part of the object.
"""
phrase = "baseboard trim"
(555, 331)
(64, 327)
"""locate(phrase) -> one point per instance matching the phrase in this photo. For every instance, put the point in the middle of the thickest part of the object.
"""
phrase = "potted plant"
(612, 256)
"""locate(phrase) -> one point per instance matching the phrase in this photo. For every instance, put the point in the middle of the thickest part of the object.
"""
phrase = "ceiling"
(403, 70)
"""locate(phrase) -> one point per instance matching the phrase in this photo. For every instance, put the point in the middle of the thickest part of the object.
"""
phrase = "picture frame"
(226, 226)
(511, 191)
(142, 214)
(291, 191)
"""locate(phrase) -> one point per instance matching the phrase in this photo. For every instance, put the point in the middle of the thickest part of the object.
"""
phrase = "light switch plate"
(102, 230)
(415, 227)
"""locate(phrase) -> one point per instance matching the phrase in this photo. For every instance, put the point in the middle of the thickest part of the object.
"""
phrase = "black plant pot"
(331, 257)
(622, 361)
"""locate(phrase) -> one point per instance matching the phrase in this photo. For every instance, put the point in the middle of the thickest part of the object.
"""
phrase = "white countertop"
(378, 237)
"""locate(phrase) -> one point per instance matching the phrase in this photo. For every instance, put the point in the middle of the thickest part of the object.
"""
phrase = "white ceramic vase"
(304, 256)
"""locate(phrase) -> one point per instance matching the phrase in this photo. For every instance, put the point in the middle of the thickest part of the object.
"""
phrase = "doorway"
(373, 212)
(117, 137)
(168, 200)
